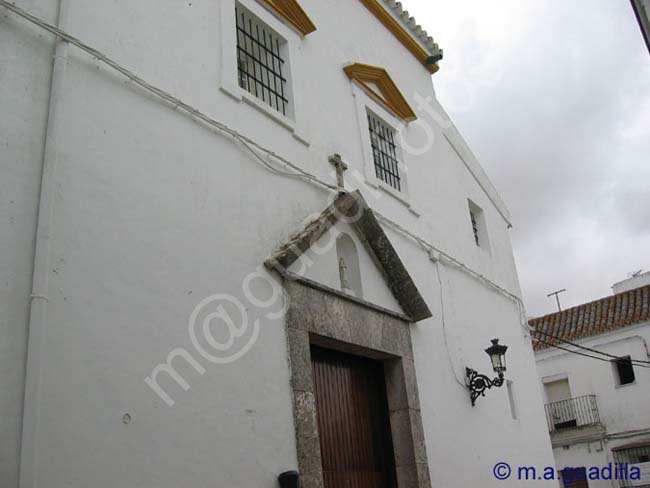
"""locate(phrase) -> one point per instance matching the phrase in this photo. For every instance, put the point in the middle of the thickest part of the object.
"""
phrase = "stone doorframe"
(325, 317)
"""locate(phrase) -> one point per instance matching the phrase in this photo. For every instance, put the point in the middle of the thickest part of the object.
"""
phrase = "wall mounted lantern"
(478, 383)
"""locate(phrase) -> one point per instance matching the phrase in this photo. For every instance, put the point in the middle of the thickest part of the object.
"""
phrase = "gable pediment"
(379, 85)
(293, 13)
(340, 261)
(352, 210)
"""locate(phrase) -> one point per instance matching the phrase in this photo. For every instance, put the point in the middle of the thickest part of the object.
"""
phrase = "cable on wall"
(427, 246)
(176, 102)
(444, 328)
(252, 146)
(639, 362)
(582, 353)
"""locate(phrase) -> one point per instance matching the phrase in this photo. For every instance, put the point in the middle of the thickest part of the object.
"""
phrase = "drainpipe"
(37, 330)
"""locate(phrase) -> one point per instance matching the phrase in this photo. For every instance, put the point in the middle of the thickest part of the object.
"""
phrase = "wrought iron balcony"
(572, 413)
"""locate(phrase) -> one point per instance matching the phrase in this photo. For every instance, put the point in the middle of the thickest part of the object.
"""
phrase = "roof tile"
(593, 318)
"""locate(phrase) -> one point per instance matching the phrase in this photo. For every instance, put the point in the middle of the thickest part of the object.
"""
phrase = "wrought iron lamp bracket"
(478, 383)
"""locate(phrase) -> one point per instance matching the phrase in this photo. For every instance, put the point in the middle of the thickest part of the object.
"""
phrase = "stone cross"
(340, 166)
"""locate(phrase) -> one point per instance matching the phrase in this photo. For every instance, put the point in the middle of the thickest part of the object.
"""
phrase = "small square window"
(479, 227)
(261, 61)
(384, 152)
(624, 370)
(472, 216)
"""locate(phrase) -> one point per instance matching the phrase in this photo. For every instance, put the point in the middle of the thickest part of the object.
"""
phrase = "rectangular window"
(384, 152)
(561, 409)
(472, 217)
(624, 370)
(637, 455)
(479, 227)
(261, 61)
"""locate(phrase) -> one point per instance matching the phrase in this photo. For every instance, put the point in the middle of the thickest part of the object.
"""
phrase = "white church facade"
(243, 246)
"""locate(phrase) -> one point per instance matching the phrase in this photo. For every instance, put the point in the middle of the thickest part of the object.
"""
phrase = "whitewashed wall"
(25, 68)
(153, 212)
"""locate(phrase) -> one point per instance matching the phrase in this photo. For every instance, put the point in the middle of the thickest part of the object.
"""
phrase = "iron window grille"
(472, 216)
(259, 61)
(384, 152)
(633, 455)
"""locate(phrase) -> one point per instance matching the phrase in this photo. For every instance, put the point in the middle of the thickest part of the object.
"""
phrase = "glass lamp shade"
(497, 353)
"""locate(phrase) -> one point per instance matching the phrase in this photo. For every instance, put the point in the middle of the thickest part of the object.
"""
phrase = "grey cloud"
(564, 133)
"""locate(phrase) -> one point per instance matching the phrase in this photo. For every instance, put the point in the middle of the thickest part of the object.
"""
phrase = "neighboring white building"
(636, 280)
(176, 295)
(598, 411)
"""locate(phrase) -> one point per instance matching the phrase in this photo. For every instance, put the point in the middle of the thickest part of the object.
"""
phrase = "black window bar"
(259, 63)
(633, 455)
(384, 152)
(474, 227)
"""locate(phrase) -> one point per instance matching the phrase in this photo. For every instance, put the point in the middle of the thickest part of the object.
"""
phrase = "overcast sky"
(553, 97)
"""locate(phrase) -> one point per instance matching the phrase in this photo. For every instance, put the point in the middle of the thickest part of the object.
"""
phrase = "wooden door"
(577, 479)
(355, 439)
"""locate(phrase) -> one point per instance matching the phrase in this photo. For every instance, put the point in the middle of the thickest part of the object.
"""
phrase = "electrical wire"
(252, 146)
(427, 246)
(636, 361)
(247, 142)
(586, 348)
(444, 328)
(581, 353)
(452, 260)
(569, 350)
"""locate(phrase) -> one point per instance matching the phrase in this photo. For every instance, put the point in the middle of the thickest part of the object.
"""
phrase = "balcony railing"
(572, 413)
